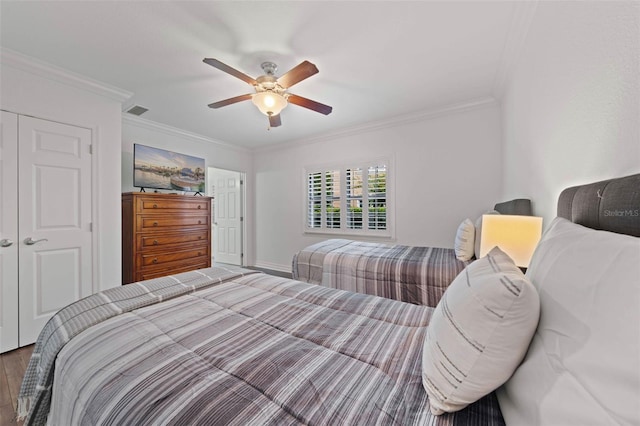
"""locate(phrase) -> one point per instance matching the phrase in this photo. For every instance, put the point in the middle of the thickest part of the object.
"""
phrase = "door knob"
(28, 241)
(5, 242)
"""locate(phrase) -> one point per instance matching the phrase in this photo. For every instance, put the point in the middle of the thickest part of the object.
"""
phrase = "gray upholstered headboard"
(519, 206)
(610, 205)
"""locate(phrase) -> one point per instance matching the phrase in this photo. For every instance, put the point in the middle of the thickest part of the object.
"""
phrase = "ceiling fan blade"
(230, 101)
(229, 70)
(274, 120)
(308, 103)
(298, 73)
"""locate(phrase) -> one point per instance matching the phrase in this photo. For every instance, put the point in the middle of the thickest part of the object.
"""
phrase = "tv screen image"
(161, 169)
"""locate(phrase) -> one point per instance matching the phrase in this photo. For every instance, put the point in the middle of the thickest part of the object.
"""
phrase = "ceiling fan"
(271, 94)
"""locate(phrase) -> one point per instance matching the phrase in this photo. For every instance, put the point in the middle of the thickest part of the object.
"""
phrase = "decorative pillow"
(465, 237)
(479, 232)
(583, 363)
(479, 332)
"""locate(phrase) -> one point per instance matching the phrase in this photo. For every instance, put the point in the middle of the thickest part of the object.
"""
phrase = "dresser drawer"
(167, 204)
(151, 259)
(148, 273)
(145, 242)
(151, 222)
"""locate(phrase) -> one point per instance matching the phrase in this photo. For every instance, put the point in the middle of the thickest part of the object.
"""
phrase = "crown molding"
(174, 131)
(516, 37)
(383, 124)
(52, 72)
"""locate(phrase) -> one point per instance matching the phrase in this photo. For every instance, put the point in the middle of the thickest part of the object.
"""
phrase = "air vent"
(137, 110)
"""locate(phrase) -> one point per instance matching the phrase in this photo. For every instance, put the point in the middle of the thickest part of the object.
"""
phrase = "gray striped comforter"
(417, 275)
(35, 393)
(253, 350)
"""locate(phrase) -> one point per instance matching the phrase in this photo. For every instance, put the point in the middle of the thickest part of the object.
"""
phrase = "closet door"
(8, 231)
(54, 204)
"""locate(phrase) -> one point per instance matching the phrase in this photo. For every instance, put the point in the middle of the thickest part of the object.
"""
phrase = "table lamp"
(517, 236)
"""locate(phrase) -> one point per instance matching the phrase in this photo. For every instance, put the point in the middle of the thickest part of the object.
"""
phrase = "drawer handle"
(200, 237)
(155, 206)
(155, 223)
(155, 260)
(199, 207)
(199, 222)
(199, 253)
(155, 242)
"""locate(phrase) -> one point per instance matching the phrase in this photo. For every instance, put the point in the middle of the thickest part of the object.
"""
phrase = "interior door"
(8, 231)
(227, 216)
(54, 204)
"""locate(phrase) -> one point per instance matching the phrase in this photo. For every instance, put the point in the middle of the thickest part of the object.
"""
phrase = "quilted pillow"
(479, 332)
(465, 238)
(583, 363)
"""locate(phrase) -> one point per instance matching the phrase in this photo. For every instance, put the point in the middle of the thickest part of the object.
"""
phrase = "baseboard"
(273, 266)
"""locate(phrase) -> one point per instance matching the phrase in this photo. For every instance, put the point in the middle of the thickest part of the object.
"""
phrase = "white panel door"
(55, 212)
(227, 216)
(8, 232)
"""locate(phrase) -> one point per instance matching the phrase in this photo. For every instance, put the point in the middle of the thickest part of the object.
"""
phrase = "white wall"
(216, 154)
(32, 88)
(571, 107)
(447, 168)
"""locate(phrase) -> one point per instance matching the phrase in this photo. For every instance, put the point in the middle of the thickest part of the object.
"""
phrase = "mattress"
(418, 275)
(239, 348)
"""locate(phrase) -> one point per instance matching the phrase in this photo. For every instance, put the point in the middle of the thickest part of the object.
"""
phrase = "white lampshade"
(269, 103)
(517, 236)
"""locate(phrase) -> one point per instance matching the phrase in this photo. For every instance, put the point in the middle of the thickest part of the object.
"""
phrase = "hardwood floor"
(12, 367)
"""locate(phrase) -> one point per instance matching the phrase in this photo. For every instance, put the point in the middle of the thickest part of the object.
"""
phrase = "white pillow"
(583, 366)
(479, 232)
(464, 243)
(479, 332)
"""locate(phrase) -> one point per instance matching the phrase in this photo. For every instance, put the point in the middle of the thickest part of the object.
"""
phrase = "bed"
(233, 346)
(418, 275)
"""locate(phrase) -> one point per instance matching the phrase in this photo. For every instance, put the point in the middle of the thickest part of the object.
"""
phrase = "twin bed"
(418, 275)
(233, 346)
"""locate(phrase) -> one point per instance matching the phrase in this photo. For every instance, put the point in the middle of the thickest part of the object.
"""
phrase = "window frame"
(364, 165)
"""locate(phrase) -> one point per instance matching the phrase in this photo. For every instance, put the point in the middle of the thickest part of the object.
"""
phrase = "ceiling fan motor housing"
(268, 82)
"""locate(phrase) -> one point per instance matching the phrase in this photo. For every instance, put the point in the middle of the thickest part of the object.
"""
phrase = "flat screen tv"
(161, 169)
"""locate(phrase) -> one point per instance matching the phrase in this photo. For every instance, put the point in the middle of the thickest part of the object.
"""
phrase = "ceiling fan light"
(269, 103)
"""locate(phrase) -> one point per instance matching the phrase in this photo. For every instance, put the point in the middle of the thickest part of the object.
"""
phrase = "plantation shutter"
(377, 197)
(314, 197)
(354, 198)
(348, 200)
(332, 198)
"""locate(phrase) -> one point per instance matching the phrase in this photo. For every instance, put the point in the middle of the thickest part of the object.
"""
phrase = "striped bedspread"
(254, 350)
(417, 275)
(35, 393)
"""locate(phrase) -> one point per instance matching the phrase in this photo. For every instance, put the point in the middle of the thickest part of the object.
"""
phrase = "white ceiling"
(377, 60)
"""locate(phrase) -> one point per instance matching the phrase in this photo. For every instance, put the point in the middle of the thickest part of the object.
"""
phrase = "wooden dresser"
(164, 234)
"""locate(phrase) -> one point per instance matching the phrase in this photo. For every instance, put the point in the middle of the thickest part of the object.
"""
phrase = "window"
(348, 200)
